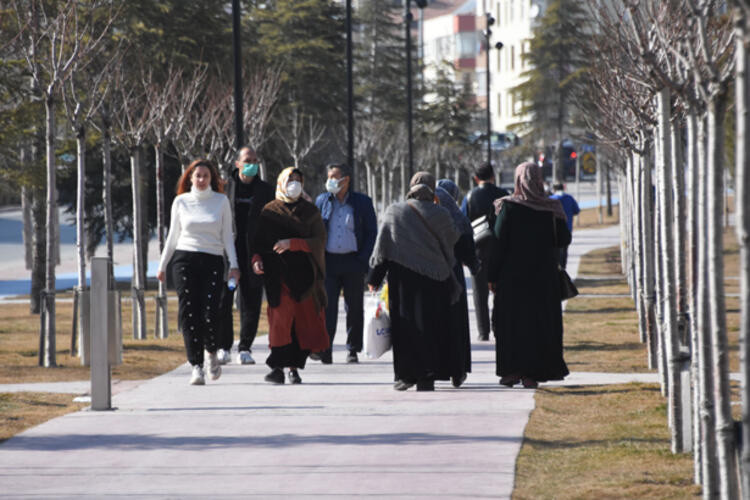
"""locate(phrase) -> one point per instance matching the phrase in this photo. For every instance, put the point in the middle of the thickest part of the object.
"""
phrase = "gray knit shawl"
(404, 239)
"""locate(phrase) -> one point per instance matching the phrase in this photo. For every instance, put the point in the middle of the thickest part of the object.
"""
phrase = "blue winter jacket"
(365, 222)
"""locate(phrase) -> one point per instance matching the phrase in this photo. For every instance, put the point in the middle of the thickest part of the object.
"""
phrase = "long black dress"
(418, 308)
(528, 314)
(455, 346)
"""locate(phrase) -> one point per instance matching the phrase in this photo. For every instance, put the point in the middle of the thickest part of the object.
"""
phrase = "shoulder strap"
(440, 243)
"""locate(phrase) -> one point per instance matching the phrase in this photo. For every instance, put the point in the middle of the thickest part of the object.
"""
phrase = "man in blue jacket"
(351, 226)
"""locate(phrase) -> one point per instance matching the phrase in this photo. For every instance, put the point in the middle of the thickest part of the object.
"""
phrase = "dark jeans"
(563, 257)
(199, 278)
(345, 271)
(481, 289)
(251, 301)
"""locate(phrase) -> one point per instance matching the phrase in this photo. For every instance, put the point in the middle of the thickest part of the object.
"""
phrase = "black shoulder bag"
(568, 289)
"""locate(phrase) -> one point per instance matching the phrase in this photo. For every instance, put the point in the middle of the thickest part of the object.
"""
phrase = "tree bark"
(649, 279)
(658, 265)
(742, 228)
(139, 306)
(693, 215)
(667, 247)
(708, 417)
(47, 353)
(161, 330)
(107, 194)
(716, 109)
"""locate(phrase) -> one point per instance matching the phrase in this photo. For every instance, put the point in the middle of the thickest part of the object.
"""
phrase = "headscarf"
(422, 187)
(281, 184)
(450, 187)
(529, 192)
(448, 201)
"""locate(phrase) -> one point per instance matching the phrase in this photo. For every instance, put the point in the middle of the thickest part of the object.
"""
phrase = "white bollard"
(101, 391)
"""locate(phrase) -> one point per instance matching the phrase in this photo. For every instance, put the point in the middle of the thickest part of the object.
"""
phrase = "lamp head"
(499, 45)
(490, 19)
(421, 3)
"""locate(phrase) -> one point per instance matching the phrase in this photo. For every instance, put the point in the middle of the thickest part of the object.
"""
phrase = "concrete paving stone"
(343, 432)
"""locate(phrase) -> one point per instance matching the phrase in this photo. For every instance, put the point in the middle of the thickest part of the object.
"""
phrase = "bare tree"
(52, 41)
(302, 136)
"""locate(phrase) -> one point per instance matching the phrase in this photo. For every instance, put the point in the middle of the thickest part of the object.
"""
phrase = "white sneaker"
(212, 366)
(223, 356)
(196, 377)
(244, 358)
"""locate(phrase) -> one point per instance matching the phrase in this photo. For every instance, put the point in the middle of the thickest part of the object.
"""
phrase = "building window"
(499, 15)
(499, 101)
(481, 82)
(511, 15)
(512, 58)
(466, 44)
(522, 10)
(499, 60)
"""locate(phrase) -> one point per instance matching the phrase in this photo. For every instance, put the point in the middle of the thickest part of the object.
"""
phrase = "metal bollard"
(101, 389)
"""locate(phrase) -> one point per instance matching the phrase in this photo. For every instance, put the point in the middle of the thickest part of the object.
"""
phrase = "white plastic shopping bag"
(378, 330)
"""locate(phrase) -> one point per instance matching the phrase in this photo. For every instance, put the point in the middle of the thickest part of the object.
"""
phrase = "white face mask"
(333, 186)
(294, 189)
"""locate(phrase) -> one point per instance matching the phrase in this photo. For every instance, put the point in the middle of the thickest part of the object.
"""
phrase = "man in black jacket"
(478, 203)
(247, 193)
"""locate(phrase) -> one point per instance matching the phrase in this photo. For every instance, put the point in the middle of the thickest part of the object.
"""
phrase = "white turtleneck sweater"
(201, 222)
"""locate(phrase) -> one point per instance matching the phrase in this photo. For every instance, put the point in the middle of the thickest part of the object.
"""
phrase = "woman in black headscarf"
(523, 273)
(414, 248)
(455, 349)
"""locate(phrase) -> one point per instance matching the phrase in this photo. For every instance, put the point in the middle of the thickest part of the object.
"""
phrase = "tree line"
(103, 103)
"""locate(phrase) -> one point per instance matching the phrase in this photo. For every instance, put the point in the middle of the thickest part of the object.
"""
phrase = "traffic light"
(569, 157)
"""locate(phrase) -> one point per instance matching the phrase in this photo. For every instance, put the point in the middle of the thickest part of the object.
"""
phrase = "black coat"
(527, 317)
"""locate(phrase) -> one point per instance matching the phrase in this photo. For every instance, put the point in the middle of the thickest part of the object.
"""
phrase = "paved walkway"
(343, 432)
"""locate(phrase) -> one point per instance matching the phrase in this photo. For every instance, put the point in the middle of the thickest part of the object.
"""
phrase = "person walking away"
(290, 246)
(200, 233)
(570, 206)
(455, 350)
(523, 273)
(476, 204)
(351, 226)
(414, 248)
(247, 194)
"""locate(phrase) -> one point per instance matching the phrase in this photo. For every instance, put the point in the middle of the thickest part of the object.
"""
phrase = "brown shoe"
(510, 380)
(529, 383)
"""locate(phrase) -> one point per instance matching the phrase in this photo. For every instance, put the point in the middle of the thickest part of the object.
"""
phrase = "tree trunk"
(649, 279)
(608, 191)
(107, 194)
(678, 222)
(671, 331)
(716, 109)
(708, 433)
(161, 330)
(599, 207)
(383, 188)
(742, 227)
(695, 352)
(26, 204)
(638, 245)
(658, 266)
(47, 353)
(79, 309)
(139, 306)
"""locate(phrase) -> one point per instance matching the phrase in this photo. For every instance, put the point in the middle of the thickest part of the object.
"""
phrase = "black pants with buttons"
(199, 279)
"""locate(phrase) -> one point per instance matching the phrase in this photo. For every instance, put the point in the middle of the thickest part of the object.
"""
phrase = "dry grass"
(601, 442)
(19, 411)
(19, 346)
(589, 218)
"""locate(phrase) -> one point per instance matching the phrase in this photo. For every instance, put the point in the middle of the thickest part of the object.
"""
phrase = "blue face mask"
(250, 169)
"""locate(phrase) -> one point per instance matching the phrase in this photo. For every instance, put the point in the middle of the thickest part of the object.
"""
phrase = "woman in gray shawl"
(455, 350)
(414, 248)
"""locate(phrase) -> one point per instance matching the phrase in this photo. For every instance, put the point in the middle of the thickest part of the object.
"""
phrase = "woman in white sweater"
(200, 233)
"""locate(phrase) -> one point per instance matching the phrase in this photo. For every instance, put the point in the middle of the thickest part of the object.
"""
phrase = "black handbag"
(568, 289)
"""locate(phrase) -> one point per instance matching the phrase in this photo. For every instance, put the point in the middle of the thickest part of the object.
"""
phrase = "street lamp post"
(349, 89)
(239, 132)
(498, 45)
(407, 23)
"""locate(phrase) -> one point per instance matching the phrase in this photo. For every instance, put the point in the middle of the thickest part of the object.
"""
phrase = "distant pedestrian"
(351, 226)
(455, 349)
(247, 194)
(200, 232)
(290, 245)
(570, 206)
(476, 204)
(530, 230)
(414, 248)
